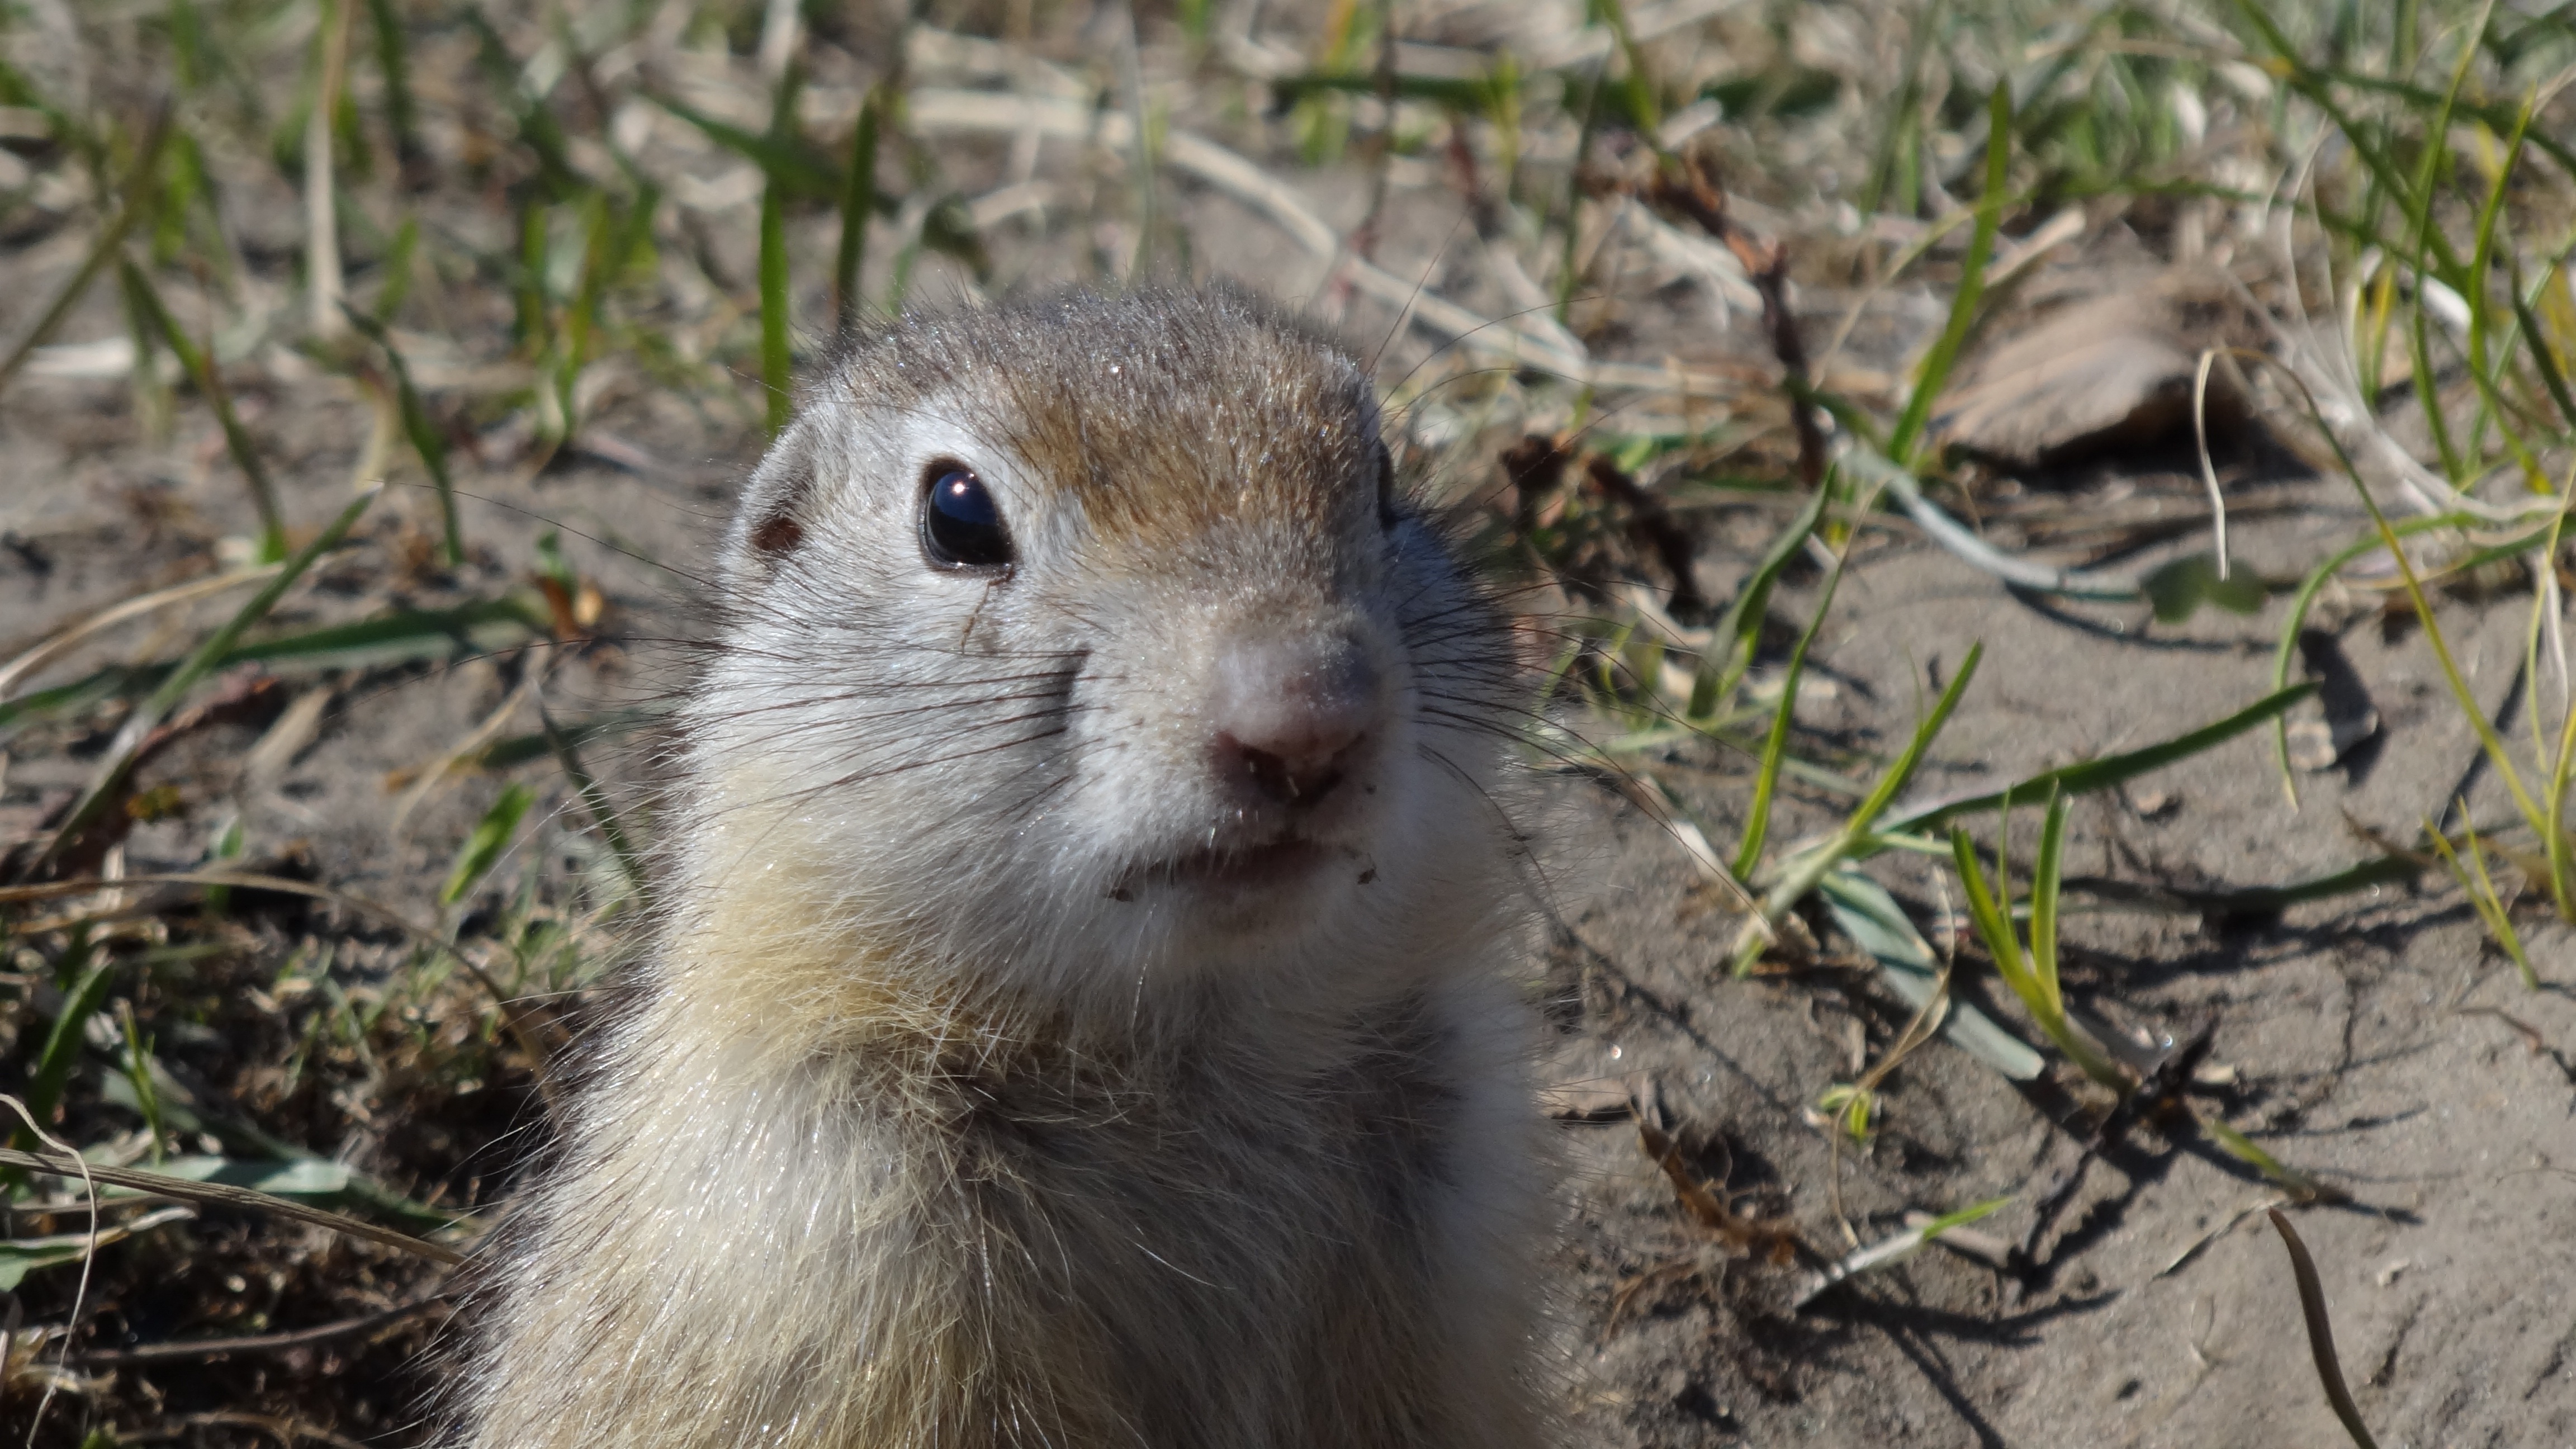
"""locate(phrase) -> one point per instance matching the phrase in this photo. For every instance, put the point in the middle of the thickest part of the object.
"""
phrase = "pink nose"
(1289, 712)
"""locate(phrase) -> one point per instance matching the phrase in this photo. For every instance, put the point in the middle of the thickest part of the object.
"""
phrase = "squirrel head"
(1091, 649)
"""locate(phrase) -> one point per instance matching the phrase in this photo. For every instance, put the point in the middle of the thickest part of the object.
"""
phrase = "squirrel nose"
(1288, 713)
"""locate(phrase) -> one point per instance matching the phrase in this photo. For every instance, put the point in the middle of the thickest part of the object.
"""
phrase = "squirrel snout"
(1288, 713)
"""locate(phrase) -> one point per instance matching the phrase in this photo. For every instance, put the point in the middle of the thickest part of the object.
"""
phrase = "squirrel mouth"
(1232, 868)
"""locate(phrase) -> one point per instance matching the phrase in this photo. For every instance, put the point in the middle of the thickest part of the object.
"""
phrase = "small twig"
(1926, 1020)
(1364, 237)
(183, 1190)
(1773, 1240)
(2208, 472)
(55, 645)
(90, 1178)
(1683, 184)
(1653, 525)
(202, 1348)
(286, 1431)
(2312, 1306)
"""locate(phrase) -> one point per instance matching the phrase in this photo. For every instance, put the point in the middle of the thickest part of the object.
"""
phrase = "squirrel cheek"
(1290, 716)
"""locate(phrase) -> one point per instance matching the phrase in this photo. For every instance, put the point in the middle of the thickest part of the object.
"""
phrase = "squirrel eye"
(1386, 514)
(961, 526)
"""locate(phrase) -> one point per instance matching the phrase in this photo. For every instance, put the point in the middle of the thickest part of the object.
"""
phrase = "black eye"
(961, 526)
(1386, 514)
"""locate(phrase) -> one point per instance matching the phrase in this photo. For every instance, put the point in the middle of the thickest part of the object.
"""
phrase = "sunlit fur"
(945, 1118)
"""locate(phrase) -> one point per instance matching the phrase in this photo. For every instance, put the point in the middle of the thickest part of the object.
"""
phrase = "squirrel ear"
(768, 522)
(777, 534)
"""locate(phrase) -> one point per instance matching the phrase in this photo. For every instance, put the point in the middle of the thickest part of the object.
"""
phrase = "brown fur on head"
(1160, 413)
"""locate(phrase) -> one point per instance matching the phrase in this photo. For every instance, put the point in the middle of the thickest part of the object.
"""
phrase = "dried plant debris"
(2104, 373)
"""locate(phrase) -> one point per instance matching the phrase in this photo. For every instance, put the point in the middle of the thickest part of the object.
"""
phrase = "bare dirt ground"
(2129, 1292)
(2373, 1041)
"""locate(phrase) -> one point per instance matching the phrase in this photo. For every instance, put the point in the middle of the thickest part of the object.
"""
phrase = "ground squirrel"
(1079, 1015)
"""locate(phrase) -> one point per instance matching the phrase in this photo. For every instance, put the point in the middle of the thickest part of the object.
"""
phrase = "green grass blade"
(2425, 375)
(200, 365)
(1891, 182)
(2305, 600)
(537, 127)
(419, 430)
(2544, 355)
(245, 1140)
(1468, 96)
(1935, 371)
(401, 267)
(138, 1074)
(2102, 774)
(1757, 817)
(1992, 925)
(858, 205)
(2498, 917)
(2420, 200)
(1636, 88)
(402, 114)
(2043, 906)
(116, 681)
(2562, 866)
(1864, 911)
(612, 829)
(2032, 976)
(1809, 870)
(2497, 116)
(2244, 1149)
(788, 162)
(1864, 819)
(2460, 692)
(1964, 1216)
(63, 1043)
(2318, 87)
(2481, 891)
(1733, 641)
(533, 328)
(491, 835)
(512, 751)
(2481, 261)
(410, 636)
(162, 1184)
(775, 360)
